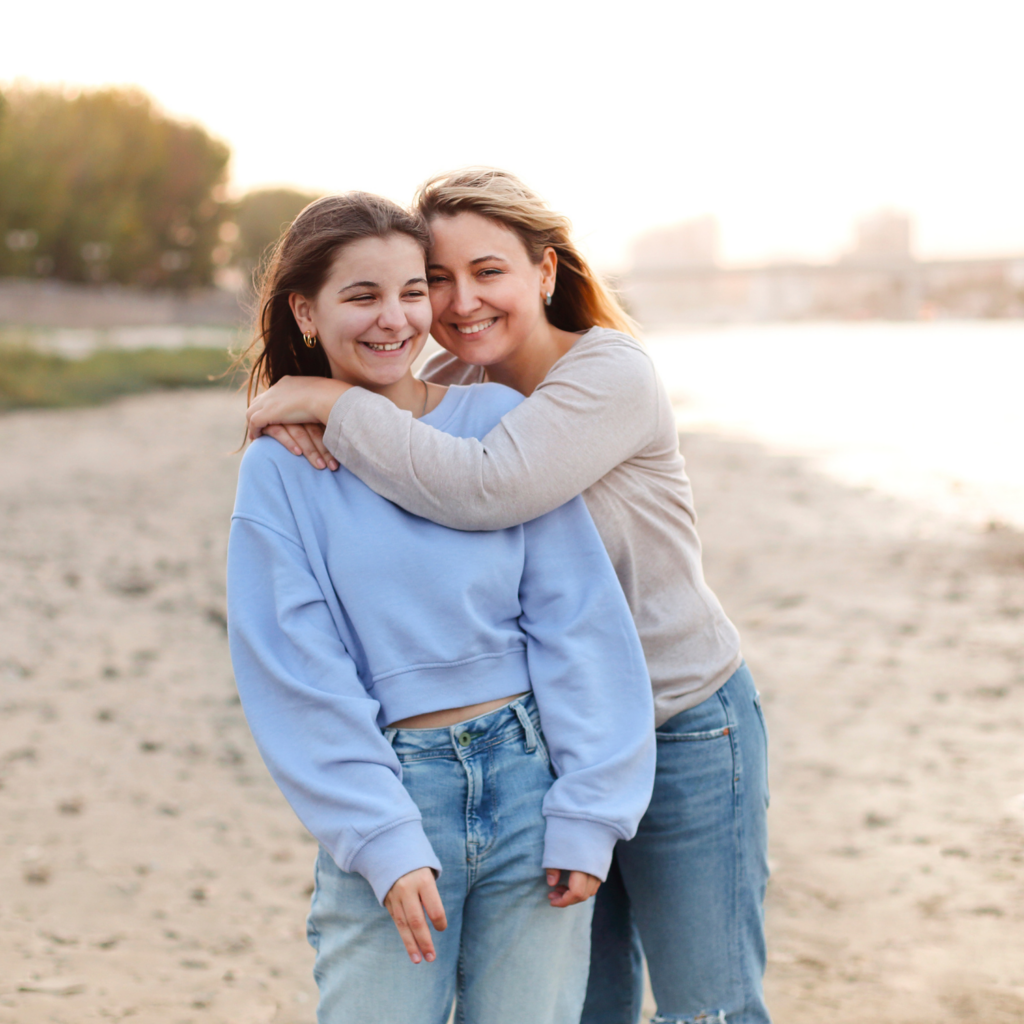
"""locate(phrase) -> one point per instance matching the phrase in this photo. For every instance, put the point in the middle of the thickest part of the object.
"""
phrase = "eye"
(361, 298)
(416, 293)
(491, 272)
(436, 279)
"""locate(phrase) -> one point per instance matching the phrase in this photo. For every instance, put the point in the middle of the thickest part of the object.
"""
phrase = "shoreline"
(155, 872)
(892, 673)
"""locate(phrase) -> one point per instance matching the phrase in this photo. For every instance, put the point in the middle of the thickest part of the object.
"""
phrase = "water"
(930, 412)
(80, 342)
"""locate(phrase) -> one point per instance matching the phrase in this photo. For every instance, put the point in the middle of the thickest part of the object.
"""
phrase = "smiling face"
(487, 295)
(372, 314)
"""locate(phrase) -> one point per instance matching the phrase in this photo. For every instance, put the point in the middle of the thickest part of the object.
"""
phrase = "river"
(930, 412)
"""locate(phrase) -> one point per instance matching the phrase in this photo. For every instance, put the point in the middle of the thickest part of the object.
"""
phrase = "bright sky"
(787, 119)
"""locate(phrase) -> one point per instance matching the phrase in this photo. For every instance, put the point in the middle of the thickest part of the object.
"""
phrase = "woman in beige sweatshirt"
(514, 302)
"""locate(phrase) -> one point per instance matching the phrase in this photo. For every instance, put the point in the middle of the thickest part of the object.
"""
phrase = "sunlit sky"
(786, 119)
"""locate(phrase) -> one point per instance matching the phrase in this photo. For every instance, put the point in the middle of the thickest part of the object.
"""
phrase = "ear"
(548, 270)
(302, 310)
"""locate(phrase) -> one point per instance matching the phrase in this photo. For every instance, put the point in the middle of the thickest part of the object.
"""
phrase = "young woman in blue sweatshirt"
(463, 720)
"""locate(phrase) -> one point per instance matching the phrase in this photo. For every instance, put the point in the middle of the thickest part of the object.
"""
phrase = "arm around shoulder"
(594, 410)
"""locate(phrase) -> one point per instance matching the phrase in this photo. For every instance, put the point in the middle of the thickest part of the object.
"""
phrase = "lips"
(471, 329)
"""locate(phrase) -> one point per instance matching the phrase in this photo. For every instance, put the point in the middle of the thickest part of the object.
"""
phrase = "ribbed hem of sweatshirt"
(579, 844)
(393, 853)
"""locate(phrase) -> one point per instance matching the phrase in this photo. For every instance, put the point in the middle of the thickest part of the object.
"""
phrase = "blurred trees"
(101, 186)
(262, 217)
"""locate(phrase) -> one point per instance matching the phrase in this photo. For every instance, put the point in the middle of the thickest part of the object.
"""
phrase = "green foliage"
(102, 186)
(34, 379)
(262, 217)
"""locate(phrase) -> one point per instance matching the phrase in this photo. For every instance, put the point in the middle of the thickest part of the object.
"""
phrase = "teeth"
(475, 328)
(390, 347)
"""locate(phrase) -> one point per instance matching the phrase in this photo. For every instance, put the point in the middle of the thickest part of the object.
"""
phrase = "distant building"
(848, 290)
(694, 243)
(675, 280)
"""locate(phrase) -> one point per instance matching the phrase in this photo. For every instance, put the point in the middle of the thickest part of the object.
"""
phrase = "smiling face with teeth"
(372, 314)
(486, 293)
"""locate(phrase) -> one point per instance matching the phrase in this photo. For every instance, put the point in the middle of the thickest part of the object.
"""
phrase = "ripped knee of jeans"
(704, 1017)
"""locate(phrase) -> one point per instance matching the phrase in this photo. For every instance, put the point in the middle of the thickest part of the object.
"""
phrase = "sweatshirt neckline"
(449, 403)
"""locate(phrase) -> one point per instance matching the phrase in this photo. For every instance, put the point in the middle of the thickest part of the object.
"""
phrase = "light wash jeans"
(688, 890)
(506, 955)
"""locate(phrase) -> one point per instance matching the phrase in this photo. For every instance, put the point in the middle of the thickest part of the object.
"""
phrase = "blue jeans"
(506, 955)
(688, 890)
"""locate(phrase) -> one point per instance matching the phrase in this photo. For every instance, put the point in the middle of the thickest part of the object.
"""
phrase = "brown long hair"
(581, 300)
(301, 262)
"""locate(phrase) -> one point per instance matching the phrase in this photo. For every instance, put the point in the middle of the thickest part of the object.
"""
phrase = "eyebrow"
(472, 263)
(373, 284)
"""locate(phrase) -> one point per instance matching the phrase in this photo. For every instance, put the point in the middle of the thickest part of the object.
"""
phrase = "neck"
(407, 393)
(530, 362)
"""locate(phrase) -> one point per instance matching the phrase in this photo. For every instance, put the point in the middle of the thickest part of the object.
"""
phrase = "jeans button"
(465, 739)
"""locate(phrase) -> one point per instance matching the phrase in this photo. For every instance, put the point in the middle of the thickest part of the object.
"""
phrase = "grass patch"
(32, 379)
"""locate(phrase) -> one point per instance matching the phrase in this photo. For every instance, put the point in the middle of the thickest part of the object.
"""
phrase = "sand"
(151, 870)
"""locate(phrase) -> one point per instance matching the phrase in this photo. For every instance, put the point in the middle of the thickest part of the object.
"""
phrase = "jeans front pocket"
(692, 737)
(707, 721)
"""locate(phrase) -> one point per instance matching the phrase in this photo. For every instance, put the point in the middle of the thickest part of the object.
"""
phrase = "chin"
(481, 354)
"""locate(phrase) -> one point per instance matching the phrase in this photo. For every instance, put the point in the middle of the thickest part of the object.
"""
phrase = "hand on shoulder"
(294, 400)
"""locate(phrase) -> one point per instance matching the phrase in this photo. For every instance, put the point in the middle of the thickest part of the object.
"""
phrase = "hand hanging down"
(406, 902)
(580, 888)
(414, 898)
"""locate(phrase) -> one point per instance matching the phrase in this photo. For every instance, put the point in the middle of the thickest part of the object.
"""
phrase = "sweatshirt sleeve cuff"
(347, 406)
(393, 853)
(579, 844)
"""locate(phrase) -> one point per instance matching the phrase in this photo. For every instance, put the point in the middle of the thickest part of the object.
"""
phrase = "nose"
(464, 301)
(392, 316)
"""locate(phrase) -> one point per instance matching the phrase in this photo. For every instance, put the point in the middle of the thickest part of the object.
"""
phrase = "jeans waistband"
(519, 719)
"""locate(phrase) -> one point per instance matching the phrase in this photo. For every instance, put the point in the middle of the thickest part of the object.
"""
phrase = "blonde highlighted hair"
(581, 300)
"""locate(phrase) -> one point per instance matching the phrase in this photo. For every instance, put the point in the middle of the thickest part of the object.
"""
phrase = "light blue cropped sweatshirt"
(346, 613)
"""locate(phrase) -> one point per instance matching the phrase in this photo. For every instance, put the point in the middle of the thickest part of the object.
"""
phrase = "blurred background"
(815, 213)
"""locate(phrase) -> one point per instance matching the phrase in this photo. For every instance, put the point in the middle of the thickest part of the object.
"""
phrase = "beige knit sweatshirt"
(600, 423)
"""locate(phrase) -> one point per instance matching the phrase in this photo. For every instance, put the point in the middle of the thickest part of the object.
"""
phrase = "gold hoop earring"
(309, 339)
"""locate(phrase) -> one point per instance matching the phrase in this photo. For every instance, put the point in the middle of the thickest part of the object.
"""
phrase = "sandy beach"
(152, 871)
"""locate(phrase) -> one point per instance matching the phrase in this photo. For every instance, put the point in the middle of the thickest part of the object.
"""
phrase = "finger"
(316, 433)
(258, 421)
(580, 885)
(552, 877)
(255, 426)
(307, 445)
(314, 438)
(561, 897)
(418, 926)
(434, 907)
(580, 888)
(279, 432)
(405, 932)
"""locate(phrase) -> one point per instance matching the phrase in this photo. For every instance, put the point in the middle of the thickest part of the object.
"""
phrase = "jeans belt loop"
(529, 733)
(389, 735)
